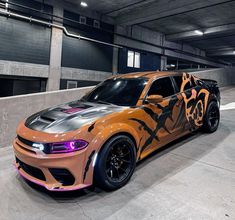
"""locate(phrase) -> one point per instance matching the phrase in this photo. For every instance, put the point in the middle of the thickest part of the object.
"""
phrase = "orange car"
(99, 138)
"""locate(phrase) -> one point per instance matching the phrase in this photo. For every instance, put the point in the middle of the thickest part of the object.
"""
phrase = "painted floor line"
(228, 106)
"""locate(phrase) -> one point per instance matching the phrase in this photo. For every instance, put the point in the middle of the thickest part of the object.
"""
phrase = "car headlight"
(67, 147)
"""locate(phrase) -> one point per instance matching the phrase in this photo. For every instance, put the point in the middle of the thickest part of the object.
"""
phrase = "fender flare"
(114, 129)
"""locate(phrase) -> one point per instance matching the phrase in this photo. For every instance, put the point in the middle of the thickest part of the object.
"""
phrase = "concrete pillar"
(163, 63)
(115, 60)
(53, 82)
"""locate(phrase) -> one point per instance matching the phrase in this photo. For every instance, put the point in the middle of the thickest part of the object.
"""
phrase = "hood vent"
(46, 119)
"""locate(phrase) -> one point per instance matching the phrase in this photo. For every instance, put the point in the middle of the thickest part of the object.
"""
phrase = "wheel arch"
(121, 129)
(121, 133)
(212, 98)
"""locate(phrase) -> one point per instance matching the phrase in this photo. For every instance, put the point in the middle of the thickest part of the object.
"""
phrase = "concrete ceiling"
(107, 6)
(179, 19)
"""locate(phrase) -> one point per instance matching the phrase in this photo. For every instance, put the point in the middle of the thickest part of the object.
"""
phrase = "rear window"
(178, 81)
(162, 87)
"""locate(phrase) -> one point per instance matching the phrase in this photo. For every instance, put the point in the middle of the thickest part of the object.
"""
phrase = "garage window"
(82, 20)
(133, 59)
(72, 84)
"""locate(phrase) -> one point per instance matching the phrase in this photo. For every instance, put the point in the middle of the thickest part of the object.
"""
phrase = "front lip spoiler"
(40, 183)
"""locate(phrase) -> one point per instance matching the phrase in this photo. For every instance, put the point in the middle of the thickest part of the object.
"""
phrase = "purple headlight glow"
(67, 147)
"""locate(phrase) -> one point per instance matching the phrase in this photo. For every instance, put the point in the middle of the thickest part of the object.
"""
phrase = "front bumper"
(55, 172)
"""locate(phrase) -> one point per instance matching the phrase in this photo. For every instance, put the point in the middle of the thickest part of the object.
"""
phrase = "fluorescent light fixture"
(198, 32)
(6, 4)
(84, 4)
(234, 52)
(172, 65)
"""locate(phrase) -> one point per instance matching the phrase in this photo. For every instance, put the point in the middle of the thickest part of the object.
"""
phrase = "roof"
(147, 74)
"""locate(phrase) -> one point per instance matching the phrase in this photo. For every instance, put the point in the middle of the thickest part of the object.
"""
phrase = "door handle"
(179, 103)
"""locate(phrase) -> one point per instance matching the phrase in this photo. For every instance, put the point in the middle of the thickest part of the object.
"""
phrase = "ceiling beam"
(221, 53)
(221, 49)
(162, 9)
(208, 31)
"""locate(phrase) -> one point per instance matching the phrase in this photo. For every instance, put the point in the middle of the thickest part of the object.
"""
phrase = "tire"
(211, 118)
(115, 163)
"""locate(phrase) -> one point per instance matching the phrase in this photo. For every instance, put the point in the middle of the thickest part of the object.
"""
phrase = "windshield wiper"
(104, 102)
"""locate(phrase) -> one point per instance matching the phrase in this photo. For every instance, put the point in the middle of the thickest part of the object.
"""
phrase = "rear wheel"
(115, 163)
(211, 118)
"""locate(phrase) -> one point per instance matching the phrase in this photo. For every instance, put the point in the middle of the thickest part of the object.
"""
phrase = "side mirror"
(154, 99)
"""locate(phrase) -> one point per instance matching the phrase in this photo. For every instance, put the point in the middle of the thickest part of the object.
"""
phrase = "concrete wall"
(84, 74)
(16, 108)
(224, 76)
(12, 68)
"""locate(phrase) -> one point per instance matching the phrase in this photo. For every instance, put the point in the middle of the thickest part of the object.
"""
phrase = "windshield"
(117, 91)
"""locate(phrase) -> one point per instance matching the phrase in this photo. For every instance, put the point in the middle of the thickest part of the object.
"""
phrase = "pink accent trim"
(72, 110)
(70, 189)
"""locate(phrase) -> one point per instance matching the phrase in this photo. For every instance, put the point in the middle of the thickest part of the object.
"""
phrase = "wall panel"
(24, 42)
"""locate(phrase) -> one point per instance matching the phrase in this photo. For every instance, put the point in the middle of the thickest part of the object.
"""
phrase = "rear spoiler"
(210, 81)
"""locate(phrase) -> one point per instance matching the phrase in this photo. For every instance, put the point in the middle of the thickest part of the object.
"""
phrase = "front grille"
(32, 171)
(24, 141)
(30, 144)
(63, 176)
(26, 149)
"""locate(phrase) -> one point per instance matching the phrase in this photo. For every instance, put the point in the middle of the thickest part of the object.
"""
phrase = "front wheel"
(211, 118)
(115, 163)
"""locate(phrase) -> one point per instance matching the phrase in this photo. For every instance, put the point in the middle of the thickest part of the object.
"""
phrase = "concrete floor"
(191, 179)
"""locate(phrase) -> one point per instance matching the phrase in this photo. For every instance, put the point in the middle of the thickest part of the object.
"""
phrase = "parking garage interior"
(53, 52)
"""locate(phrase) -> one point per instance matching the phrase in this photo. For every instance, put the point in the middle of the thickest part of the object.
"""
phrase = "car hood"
(69, 117)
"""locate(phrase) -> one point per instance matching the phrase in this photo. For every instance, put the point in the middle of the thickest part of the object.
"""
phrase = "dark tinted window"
(162, 87)
(189, 85)
(178, 81)
(123, 92)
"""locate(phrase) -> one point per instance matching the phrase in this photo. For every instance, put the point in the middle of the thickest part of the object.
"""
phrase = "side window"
(188, 85)
(178, 81)
(162, 87)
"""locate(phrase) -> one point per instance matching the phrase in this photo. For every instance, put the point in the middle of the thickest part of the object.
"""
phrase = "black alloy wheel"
(118, 164)
(115, 163)
(212, 117)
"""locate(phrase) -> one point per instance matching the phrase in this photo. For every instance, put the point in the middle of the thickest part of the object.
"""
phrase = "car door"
(192, 100)
(164, 114)
(183, 90)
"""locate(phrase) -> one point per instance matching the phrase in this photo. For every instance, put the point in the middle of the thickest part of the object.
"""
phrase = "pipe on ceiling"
(30, 19)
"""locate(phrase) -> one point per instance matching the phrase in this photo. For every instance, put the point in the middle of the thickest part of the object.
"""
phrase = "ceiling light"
(234, 52)
(198, 32)
(84, 4)
(6, 4)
